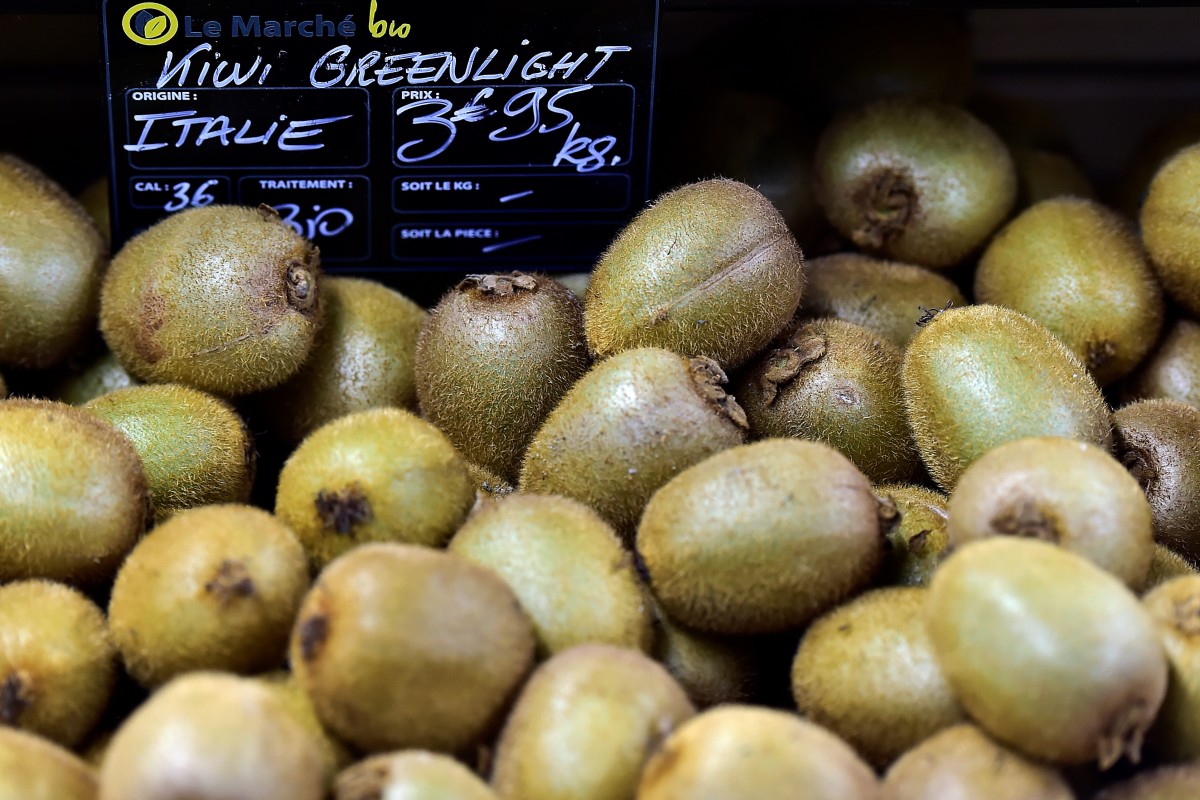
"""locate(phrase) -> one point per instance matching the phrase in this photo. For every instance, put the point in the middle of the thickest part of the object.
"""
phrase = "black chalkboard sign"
(399, 136)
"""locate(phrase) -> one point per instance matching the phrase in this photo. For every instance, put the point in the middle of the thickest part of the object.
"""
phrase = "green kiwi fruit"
(835, 382)
(1070, 493)
(52, 262)
(1158, 441)
(1175, 607)
(584, 725)
(1168, 219)
(709, 269)
(212, 736)
(1011, 379)
(214, 588)
(1078, 269)
(567, 568)
(866, 671)
(753, 753)
(221, 298)
(712, 669)
(32, 768)
(57, 661)
(391, 663)
(335, 755)
(495, 357)
(94, 199)
(410, 775)
(914, 180)
(884, 296)
(1046, 651)
(73, 494)
(377, 475)
(1172, 370)
(913, 520)
(1180, 782)
(100, 376)
(628, 426)
(1167, 564)
(194, 447)
(761, 538)
(962, 763)
(1043, 174)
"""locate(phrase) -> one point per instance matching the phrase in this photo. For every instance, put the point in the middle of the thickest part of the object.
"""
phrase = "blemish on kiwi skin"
(1025, 519)
(300, 288)
(707, 379)
(1186, 613)
(788, 362)
(499, 285)
(1099, 354)
(887, 200)
(341, 510)
(231, 582)
(14, 699)
(929, 314)
(152, 317)
(1140, 465)
(313, 633)
(918, 543)
(1124, 736)
(889, 513)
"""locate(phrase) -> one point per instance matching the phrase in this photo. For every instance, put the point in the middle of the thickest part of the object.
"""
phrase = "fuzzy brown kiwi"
(1175, 607)
(913, 519)
(709, 269)
(415, 774)
(914, 180)
(1167, 564)
(221, 298)
(712, 669)
(495, 357)
(1168, 220)
(488, 485)
(1172, 370)
(100, 376)
(335, 756)
(32, 768)
(1043, 174)
(1179, 782)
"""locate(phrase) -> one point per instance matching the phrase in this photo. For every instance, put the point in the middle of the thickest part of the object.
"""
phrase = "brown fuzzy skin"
(57, 661)
(488, 485)
(221, 298)
(335, 756)
(761, 538)
(52, 261)
(752, 753)
(1175, 607)
(211, 588)
(628, 426)
(1181, 782)
(1046, 651)
(1172, 371)
(73, 496)
(962, 763)
(495, 357)
(914, 180)
(612, 703)
(412, 774)
(710, 269)
(839, 383)
(1011, 379)
(884, 296)
(712, 669)
(913, 519)
(1044, 174)
(1167, 564)
(1077, 268)
(99, 377)
(32, 768)
(1171, 227)
(391, 664)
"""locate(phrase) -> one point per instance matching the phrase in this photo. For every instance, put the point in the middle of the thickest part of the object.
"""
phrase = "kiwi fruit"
(335, 756)
(414, 774)
(32, 768)
(212, 736)
(378, 475)
(495, 357)
(962, 763)
(1049, 653)
(567, 568)
(709, 269)
(221, 298)
(629, 425)
(94, 200)
(1158, 441)
(752, 753)
(712, 669)
(1165, 565)
(488, 485)
(1181, 782)
(390, 663)
(1079, 270)
(211, 588)
(1175, 607)
(914, 180)
(52, 262)
(576, 282)
(913, 519)
(613, 704)
(1169, 223)
(57, 661)
(1172, 370)
(73, 494)
(839, 383)
(364, 357)
(760, 538)
(1043, 174)
(195, 448)
(883, 296)
(1011, 379)
(100, 376)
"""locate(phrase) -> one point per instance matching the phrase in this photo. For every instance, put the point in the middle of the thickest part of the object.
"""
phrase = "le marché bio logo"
(150, 23)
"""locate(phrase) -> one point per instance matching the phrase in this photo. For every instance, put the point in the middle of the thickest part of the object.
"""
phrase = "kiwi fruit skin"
(495, 357)
(194, 447)
(839, 383)
(1172, 370)
(1012, 380)
(335, 756)
(760, 538)
(1078, 269)
(567, 568)
(1168, 221)
(94, 200)
(1166, 564)
(1006, 608)
(709, 269)
(712, 669)
(630, 424)
(612, 703)
(1175, 608)
(410, 775)
(102, 375)
(1043, 174)
(1180, 782)
(884, 296)
(58, 664)
(389, 664)
(488, 485)
(750, 753)
(221, 298)
(962, 763)
(378, 475)
(914, 180)
(913, 519)
(33, 768)
(52, 261)
(73, 494)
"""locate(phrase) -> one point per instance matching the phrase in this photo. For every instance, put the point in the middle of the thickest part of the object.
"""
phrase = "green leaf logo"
(156, 27)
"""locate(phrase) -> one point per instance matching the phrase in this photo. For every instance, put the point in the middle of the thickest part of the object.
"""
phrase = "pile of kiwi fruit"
(864, 469)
